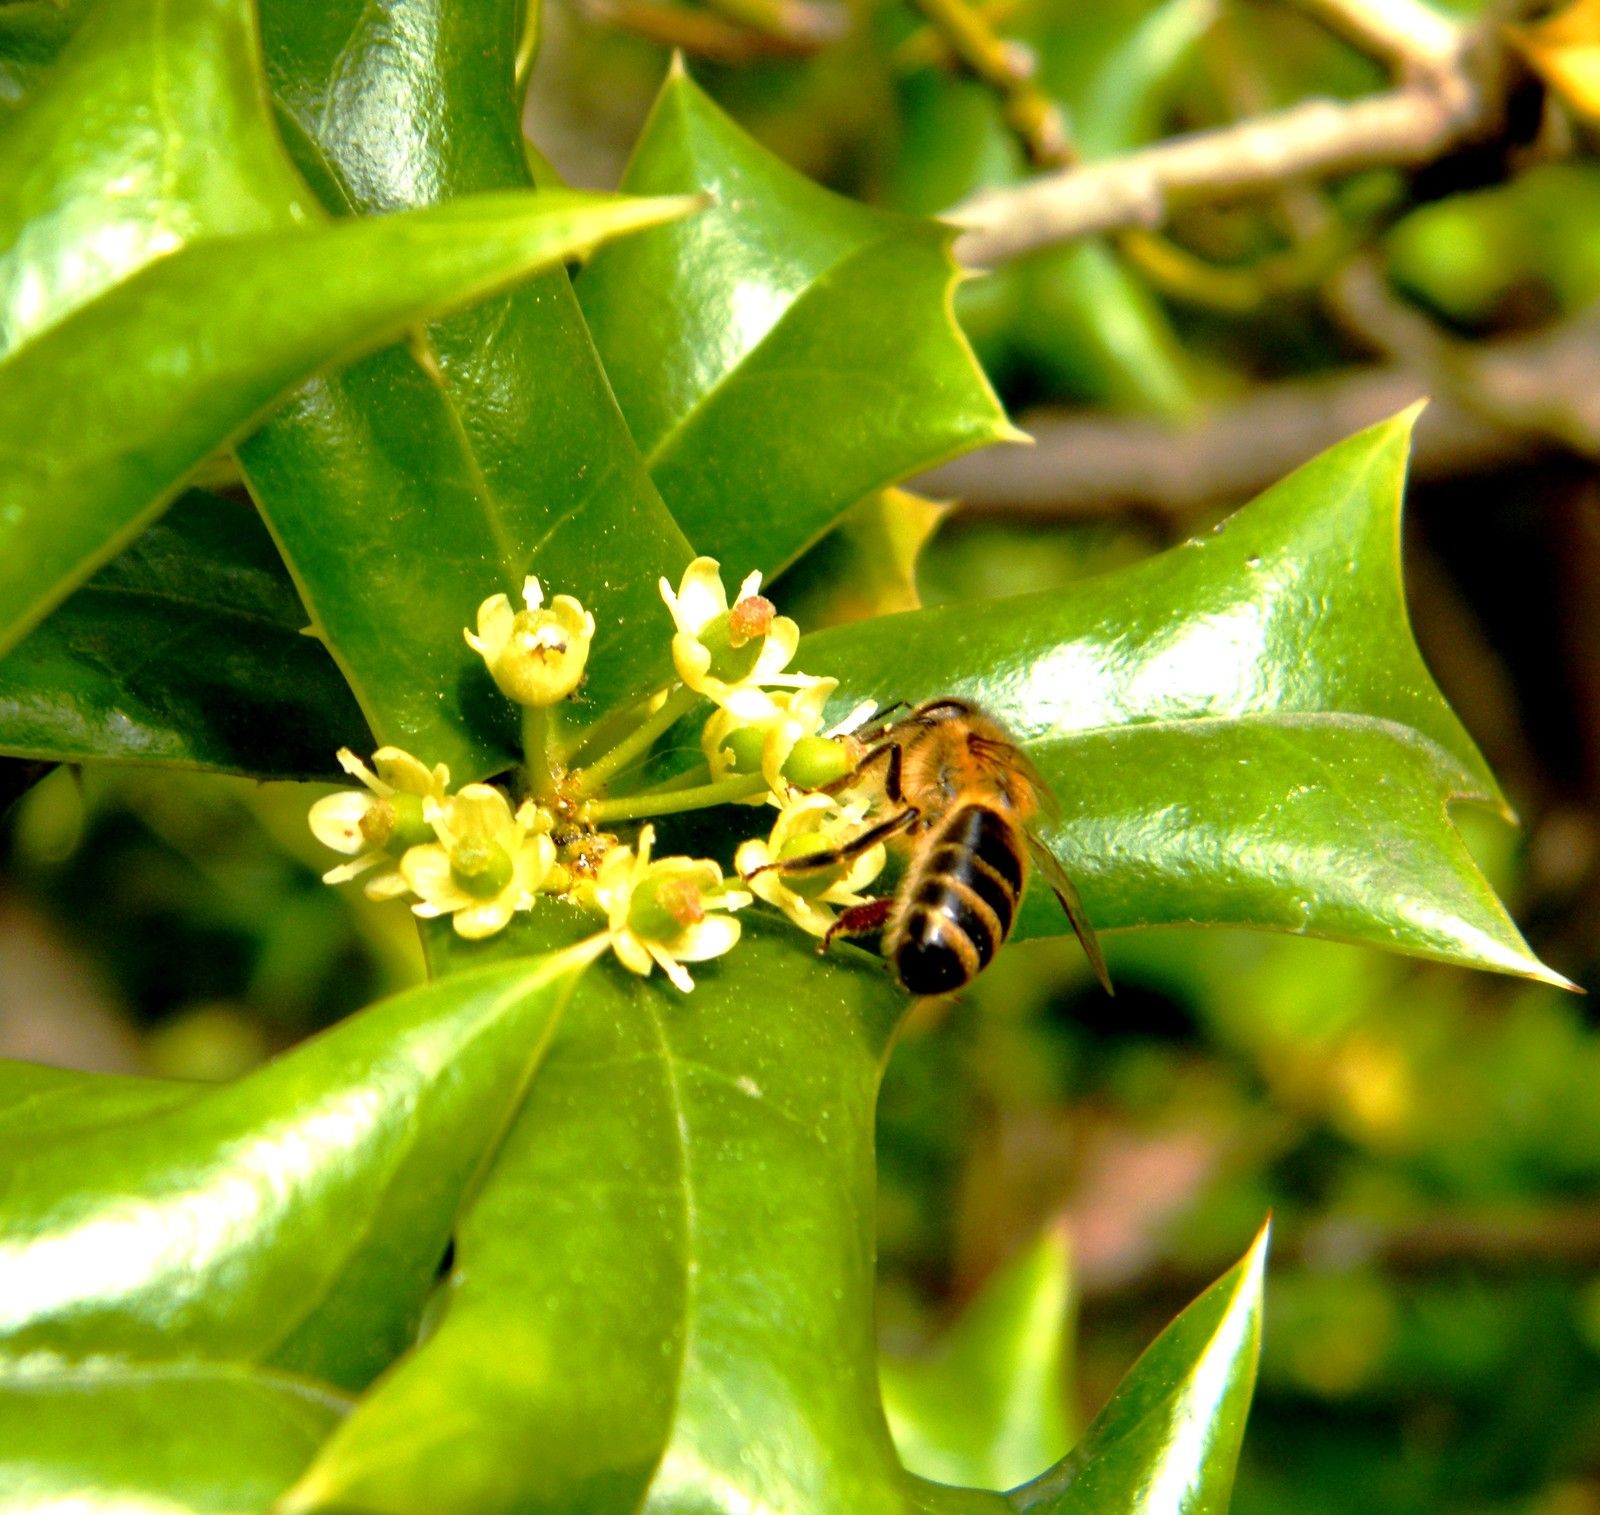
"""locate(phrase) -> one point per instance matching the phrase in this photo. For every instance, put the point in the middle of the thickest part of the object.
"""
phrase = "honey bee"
(964, 795)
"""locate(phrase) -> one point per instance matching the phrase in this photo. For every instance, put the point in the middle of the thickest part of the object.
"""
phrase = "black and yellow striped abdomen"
(961, 901)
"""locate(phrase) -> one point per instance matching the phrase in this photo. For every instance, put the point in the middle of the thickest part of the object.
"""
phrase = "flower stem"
(632, 807)
(536, 751)
(638, 742)
(693, 779)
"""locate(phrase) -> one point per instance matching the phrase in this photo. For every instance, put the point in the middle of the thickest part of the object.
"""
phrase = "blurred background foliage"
(1429, 1140)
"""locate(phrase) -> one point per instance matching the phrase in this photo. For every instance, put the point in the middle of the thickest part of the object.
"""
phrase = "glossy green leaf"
(151, 132)
(865, 566)
(1240, 730)
(987, 1405)
(663, 1292)
(104, 414)
(187, 649)
(786, 355)
(1168, 1440)
(41, 1103)
(295, 1217)
(110, 1438)
(414, 484)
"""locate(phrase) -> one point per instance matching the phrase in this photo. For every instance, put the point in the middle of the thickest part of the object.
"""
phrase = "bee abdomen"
(962, 908)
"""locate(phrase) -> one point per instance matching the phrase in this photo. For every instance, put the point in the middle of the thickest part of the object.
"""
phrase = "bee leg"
(815, 862)
(858, 920)
(875, 732)
(892, 756)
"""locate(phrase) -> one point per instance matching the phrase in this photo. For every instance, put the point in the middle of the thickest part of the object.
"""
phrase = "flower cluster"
(466, 855)
(479, 856)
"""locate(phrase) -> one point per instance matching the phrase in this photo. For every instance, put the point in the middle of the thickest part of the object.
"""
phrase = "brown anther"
(680, 898)
(544, 642)
(749, 619)
(378, 824)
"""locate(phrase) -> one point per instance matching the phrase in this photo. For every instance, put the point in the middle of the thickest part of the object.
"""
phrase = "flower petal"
(478, 810)
(484, 917)
(532, 863)
(691, 659)
(347, 871)
(778, 647)
(335, 820)
(495, 620)
(426, 870)
(701, 597)
(631, 953)
(388, 885)
(406, 774)
(708, 938)
(572, 616)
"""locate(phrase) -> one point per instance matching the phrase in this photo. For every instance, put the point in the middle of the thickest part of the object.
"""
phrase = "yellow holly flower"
(536, 656)
(807, 825)
(377, 825)
(664, 913)
(487, 864)
(728, 654)
(735, 745)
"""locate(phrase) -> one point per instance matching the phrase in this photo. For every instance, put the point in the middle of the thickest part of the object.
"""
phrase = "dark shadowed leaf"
(187, 649)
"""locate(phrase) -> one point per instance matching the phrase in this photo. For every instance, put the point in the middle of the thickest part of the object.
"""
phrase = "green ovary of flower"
(745, 743)
(480, 867)
(817, 761)
(734, 639)
(662, 907)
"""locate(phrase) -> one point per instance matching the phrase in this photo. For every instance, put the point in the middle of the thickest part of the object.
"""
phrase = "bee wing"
(1066, 892)
(1011, 758)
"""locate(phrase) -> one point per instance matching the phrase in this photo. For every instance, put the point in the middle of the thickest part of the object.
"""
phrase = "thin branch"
(1410, 125)
(1409, 35)
(1541, 393)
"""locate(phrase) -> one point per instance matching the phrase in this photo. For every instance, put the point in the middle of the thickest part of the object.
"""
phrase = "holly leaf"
(676, 1233)
(1169, 1437)
(986, 1405)
(867, 565)
(414, 484)
(295, 1218)
(1239, 731)
(187, 649)
(790, 355)
(102, 1435)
